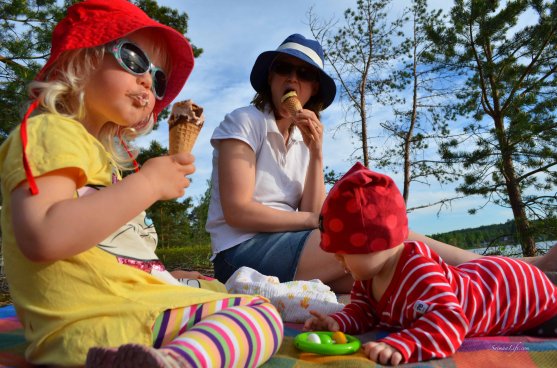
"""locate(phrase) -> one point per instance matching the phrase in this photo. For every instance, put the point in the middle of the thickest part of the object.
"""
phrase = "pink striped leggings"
(233, 332)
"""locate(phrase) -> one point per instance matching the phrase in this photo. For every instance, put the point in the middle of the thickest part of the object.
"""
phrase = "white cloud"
(232, 35)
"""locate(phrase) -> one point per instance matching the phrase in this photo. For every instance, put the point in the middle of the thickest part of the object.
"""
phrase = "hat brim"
(108, 29)
(260, 74)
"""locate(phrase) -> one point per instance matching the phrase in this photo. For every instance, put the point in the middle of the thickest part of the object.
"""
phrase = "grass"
(189, 258)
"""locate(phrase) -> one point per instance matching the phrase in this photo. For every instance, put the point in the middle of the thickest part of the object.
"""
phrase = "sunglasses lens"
(134, 58)
(159, 82)
(306, 74)
(282, 68)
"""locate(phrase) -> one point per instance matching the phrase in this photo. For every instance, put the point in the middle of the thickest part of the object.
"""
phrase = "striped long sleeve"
(432, 306)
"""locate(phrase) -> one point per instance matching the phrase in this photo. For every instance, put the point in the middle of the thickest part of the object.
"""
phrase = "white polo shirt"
(280, 169)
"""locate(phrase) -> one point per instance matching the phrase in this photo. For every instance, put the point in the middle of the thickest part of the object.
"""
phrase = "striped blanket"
(490, 352)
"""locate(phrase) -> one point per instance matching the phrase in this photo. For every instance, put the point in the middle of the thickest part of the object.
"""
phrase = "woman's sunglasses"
(135, 61)
(305, 73)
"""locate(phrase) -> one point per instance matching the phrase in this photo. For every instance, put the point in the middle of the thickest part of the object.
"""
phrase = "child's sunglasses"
(134, 60)
(305, 73)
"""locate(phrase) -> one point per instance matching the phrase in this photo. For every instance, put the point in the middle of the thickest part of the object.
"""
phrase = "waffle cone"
(185, 123)
(291, 103)
(182, 137)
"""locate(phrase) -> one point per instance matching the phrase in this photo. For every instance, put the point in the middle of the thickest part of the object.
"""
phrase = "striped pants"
(233, 332)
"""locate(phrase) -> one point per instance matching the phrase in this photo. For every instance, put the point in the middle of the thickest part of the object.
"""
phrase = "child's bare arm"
(54, 225)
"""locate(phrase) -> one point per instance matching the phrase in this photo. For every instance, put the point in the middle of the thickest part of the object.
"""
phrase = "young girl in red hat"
(112, 70)
(408, 288)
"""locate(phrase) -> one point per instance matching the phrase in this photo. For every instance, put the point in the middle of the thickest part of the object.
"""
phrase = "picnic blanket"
(491, 352)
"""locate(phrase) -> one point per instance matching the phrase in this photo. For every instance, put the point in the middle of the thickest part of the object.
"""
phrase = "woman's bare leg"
(315, 263)
(455, 256)
(547, 262)
(450, 254)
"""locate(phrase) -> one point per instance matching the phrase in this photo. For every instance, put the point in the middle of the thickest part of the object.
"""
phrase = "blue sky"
(233, 34)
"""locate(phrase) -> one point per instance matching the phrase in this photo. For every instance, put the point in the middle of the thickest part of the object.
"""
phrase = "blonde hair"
(63, 93)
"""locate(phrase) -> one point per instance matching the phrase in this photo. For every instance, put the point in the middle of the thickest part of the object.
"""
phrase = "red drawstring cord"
(135, 164)
(23, 134)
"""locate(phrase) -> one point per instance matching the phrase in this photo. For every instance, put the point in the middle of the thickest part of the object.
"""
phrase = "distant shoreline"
(514, 250)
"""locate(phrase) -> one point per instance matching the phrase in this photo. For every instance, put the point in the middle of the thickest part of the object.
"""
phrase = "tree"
(417, 123)
(508, 151)
(359, 52)
(378, 68)
(25, 31)
(171, 218)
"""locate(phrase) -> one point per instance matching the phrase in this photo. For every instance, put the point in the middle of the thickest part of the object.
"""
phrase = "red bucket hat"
(363, 213)
(92, 23)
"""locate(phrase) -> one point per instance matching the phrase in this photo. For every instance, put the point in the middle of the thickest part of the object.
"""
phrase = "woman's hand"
(167, 174)
(311, 129)
(320, 321)
(382, 353)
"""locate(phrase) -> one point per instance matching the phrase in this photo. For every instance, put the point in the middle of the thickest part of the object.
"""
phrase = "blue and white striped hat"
(301, 48)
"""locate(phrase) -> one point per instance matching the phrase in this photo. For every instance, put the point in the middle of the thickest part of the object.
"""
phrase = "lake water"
(516, 250)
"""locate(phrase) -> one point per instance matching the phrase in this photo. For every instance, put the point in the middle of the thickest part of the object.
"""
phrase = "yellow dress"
(90, 299)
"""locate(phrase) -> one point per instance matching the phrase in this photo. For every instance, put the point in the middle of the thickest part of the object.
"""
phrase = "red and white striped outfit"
(432, 306)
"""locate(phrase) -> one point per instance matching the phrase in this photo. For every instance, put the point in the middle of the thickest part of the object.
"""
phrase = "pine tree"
(507, 152)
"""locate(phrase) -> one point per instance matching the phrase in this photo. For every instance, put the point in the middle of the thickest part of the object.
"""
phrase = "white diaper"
(293, 299)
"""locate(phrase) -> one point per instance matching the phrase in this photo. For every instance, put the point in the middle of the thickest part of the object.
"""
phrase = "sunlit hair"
(63, 93)
(264, 98)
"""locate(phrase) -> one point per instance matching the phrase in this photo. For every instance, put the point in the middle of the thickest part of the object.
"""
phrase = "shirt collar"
(295, 134)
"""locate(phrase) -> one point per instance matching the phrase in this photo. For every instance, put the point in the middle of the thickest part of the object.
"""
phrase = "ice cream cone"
(185, 123)
(291, 103)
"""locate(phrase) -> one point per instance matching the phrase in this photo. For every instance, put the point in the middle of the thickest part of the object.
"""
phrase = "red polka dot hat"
(363, 213)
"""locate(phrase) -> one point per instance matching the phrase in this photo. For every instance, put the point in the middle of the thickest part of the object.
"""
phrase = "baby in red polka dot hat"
(405, 287)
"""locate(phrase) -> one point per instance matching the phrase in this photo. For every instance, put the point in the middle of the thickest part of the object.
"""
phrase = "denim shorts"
(272, 254)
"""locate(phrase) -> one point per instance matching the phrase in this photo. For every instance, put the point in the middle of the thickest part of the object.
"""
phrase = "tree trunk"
(523, 228)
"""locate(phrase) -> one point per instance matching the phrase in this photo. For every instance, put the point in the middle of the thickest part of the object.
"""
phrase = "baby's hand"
(167, 174)
(320, 321)
(382, 353)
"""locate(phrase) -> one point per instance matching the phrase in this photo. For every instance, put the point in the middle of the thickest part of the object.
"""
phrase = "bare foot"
(547, 262)
(134, 356)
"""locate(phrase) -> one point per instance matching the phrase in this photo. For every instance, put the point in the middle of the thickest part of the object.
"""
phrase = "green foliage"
(496, 236)
(25, 33)
(178, 222)
(25, 28)
(359, 52)
(192, 257)
(507, 152)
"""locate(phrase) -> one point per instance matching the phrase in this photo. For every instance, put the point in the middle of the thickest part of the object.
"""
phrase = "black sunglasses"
(305, 73)
(135, 61)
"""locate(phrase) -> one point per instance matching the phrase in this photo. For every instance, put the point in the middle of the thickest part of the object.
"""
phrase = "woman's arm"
(54, 225)
(237, 184)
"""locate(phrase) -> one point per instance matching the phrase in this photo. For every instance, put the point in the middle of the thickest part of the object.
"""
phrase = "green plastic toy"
(326, 345)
